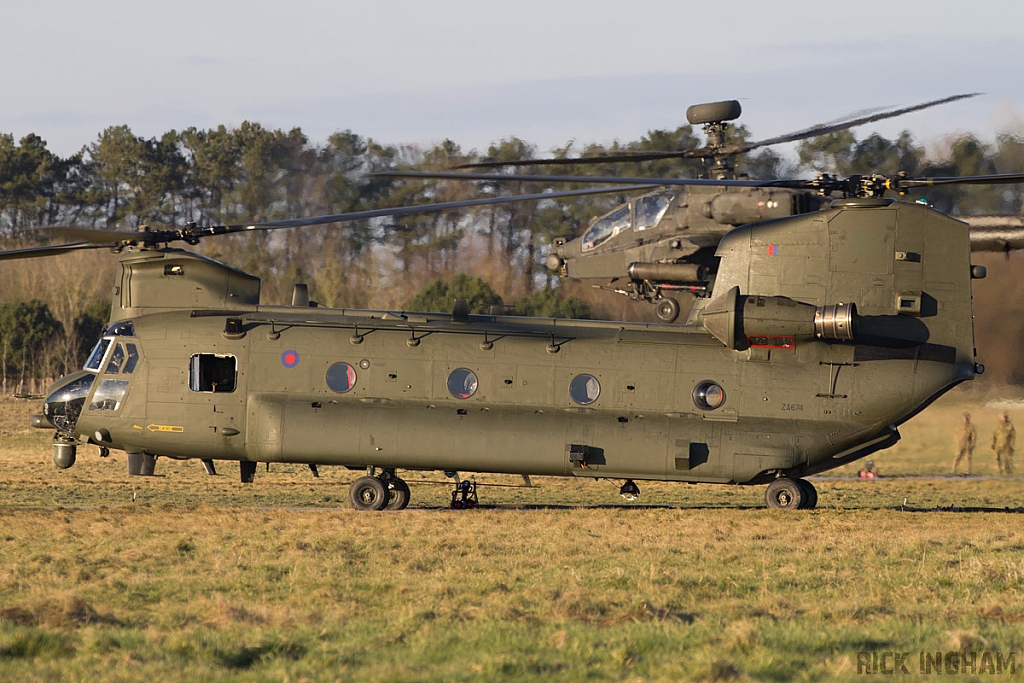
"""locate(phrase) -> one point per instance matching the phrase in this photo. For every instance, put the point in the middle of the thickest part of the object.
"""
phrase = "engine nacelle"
(741, 322)
(749, 206)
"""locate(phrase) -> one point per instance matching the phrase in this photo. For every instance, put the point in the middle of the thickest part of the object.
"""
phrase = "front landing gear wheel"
(784, 494)
(810, 494)
(399, 491)
(667, 309)
(368, 493)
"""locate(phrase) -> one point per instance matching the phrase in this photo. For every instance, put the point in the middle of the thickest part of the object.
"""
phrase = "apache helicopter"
(665, 242)
(825, 332)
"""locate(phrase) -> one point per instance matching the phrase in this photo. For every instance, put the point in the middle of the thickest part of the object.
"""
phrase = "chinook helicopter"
(664, 242)
(825, 332)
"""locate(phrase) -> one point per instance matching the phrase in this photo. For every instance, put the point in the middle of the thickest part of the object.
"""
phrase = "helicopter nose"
(66, 400)
(554, 262)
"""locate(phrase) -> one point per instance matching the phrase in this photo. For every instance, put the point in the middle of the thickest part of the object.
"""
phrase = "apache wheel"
(368, 493)
(667, 309)
(810, 494)
(399, 492)
(784, 494)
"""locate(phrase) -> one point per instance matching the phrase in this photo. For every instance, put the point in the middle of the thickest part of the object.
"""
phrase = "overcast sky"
(475, 71)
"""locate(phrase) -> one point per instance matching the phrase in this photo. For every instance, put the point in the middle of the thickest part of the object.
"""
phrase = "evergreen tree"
(439, 296)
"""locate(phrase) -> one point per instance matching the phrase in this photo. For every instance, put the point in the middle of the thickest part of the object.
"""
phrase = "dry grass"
(203, 578)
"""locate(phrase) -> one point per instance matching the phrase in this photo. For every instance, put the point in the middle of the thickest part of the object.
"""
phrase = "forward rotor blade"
(33, 252)
(112, 239)
(652, 182)
(429, 208)
(88, 235)
(708, 151)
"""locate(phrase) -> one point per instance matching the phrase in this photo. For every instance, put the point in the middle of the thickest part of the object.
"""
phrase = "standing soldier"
(1003, 440)
(966, 437)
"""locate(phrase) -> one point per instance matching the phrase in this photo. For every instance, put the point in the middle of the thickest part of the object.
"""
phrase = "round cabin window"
(708, 395)
(341, 377)
(584, 389)
(462, 383)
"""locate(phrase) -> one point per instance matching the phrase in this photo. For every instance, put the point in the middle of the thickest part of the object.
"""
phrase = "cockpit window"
(123, 328)
(109, 394)
(606, 228)
(96, 357)
(212, 372)
(133, 358)
(650, 209)
(116, 361)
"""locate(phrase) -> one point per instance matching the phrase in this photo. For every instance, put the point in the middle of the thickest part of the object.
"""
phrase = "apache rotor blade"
(739, 148)
(33, 252)
(604, 159)
(429, 208)
(825, 129)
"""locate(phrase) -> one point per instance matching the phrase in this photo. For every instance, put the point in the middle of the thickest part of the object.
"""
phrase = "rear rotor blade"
(997, 179)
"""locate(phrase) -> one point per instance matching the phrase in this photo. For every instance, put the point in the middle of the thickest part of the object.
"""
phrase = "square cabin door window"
(212, 372)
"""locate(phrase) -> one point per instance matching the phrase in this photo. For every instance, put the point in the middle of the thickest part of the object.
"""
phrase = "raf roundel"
(289, 359)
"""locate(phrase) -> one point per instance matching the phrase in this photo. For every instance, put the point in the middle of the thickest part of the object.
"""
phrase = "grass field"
(185, 576)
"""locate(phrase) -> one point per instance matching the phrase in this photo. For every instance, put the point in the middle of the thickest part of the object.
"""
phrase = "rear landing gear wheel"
(368, 493)
(667, 309)
(784, 494)
(810, 494)
(399, 492)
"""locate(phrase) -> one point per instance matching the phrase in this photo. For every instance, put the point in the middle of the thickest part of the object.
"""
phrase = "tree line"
(251, 173)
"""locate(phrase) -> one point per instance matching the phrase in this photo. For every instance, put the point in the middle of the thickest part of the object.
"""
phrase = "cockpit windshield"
(606, 228)
(96, 357)
(650, 209)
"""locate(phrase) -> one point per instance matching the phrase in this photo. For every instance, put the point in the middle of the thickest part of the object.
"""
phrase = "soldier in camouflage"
(966, 438)
(1004, 438)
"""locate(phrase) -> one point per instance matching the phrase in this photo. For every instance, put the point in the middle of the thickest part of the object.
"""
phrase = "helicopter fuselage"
(778, 376)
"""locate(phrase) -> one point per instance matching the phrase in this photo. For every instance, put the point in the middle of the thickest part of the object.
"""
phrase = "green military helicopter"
(664, 243)
(825, 331)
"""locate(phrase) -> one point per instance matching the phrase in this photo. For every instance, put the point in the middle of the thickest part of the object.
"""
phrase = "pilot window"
(133, 358)
(116, 361)
(606, 228)
(650, 209)
(123, 359)
(212, 372)
(96, 357)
